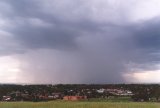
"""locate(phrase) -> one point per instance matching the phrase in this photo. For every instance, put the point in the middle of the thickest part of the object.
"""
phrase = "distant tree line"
(142, 92)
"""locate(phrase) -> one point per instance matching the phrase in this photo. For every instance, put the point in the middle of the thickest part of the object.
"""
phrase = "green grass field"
(64, 104)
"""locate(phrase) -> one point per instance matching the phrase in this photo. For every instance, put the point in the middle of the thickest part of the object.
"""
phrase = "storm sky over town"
(79, 41)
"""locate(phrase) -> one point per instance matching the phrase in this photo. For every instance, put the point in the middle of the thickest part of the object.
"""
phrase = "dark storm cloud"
(45, 37)
(24, 13)
(76, 48)
(146, 37)
(23, 8)
(33, 28)
(102, 58)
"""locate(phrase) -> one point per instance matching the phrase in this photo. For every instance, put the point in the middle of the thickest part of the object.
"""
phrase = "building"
(6, 98)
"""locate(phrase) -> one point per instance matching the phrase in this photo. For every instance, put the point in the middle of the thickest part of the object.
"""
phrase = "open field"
(63, 104)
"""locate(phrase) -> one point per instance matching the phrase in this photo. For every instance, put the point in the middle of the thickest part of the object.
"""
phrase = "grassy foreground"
(63, 104)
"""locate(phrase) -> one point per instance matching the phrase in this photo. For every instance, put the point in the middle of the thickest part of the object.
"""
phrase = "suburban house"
(6, 98)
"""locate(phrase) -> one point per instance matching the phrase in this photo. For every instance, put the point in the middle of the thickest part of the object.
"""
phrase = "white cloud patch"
(9, 70)
(143, 77)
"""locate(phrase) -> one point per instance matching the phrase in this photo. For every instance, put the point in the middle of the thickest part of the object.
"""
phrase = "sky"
(79, 41)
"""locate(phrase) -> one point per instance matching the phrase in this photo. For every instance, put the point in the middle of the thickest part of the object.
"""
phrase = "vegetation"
(65, 104)
(111, 99)
(141, 92)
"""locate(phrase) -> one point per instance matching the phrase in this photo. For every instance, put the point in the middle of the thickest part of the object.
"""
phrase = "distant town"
(74, 92)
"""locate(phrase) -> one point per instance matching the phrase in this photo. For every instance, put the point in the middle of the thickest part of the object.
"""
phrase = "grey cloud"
(44, 37)
(148, 35)
(102, 57)
(57, 33)
(146, 38)
(65, 45)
